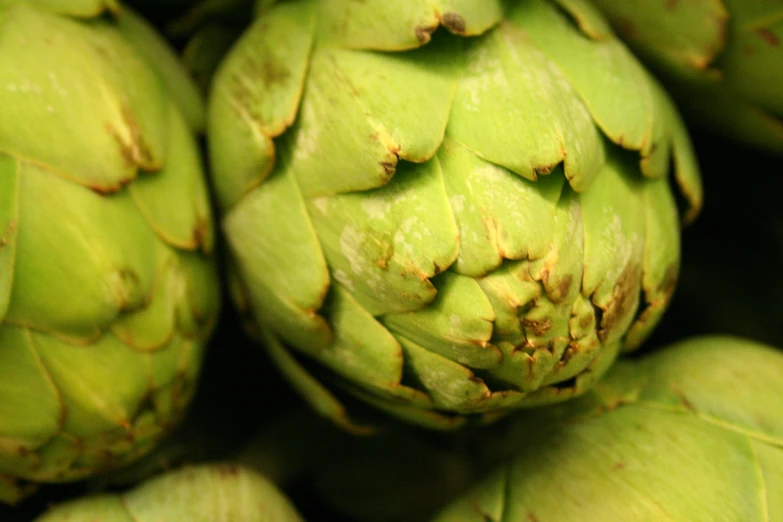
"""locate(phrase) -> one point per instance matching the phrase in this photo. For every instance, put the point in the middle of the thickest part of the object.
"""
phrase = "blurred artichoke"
(108, 290)
(693, 432)
(721, 59)
(447, 209)
(215, 493)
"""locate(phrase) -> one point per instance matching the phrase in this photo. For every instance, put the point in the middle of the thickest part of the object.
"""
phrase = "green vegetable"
(693, 432)
(108, 290)
(721, 59)
(213, 493)
(449, 209)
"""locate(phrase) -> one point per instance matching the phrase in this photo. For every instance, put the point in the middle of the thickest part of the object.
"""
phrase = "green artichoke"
(207, 493)
(693, 432)
(108, 291)
(446, 209)
(721, 59)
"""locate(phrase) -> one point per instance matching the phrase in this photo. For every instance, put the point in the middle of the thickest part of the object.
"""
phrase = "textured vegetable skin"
(108, 286)
(447, 228)
(692, 432)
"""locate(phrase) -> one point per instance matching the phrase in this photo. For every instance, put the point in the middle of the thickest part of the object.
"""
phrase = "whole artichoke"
(108, 290)
(721, 59)
(693, 432)
(447, 209)
(206, 493)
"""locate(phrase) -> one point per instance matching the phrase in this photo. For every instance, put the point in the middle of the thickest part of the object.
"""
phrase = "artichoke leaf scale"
(330, 120)
(746, 63)
(661, 263)
(615, 228)
(587, 18)
(173, 200)
(511, 291)
(78, 8)
(156, 52)
(641, 477)
(9, 225)
(401, 25)
(259, 100)
(97, 397)
(457, 324)
(198, 292)
(693, 49)
(106, 272)
(26, 382)
(486, 120)
(153, 326)
(617, 91)
(770, 469)
(285, 290)
(351, 104)
(689, 50)
(499, 214)
(20, 85)
(124, 122)
(385, 245)
(452, 386)
(363, 349)
(686, 165)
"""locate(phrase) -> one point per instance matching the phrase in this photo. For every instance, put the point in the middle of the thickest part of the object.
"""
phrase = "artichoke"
(108, 291)
(206, 493)
(447, 210)
(693, 432)
(721, 59)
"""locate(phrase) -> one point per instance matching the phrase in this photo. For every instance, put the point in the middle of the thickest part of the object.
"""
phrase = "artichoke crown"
(455, 207)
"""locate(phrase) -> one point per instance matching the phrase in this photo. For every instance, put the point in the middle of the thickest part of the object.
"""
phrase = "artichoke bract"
(721, 59)
(108, 290)
(446, 209)
(693, 432)
(206, 493)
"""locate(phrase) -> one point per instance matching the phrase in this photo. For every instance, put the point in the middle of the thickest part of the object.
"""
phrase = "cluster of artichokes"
(452, 227)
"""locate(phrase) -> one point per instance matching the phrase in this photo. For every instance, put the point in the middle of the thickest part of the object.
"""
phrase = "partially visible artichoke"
(108, 289)
(693, 432)
(448, 209)
(207, 493)
(721, 59)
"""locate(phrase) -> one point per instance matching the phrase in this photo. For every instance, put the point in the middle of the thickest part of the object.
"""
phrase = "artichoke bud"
(448, 211)
(205, 493)
(108, 288)
(688, 407)
(722, 60)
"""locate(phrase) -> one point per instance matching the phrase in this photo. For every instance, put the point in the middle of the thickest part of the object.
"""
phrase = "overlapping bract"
(206, 493)
(721, 59)
(693, 432)
(456, 208)
(107, 286)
